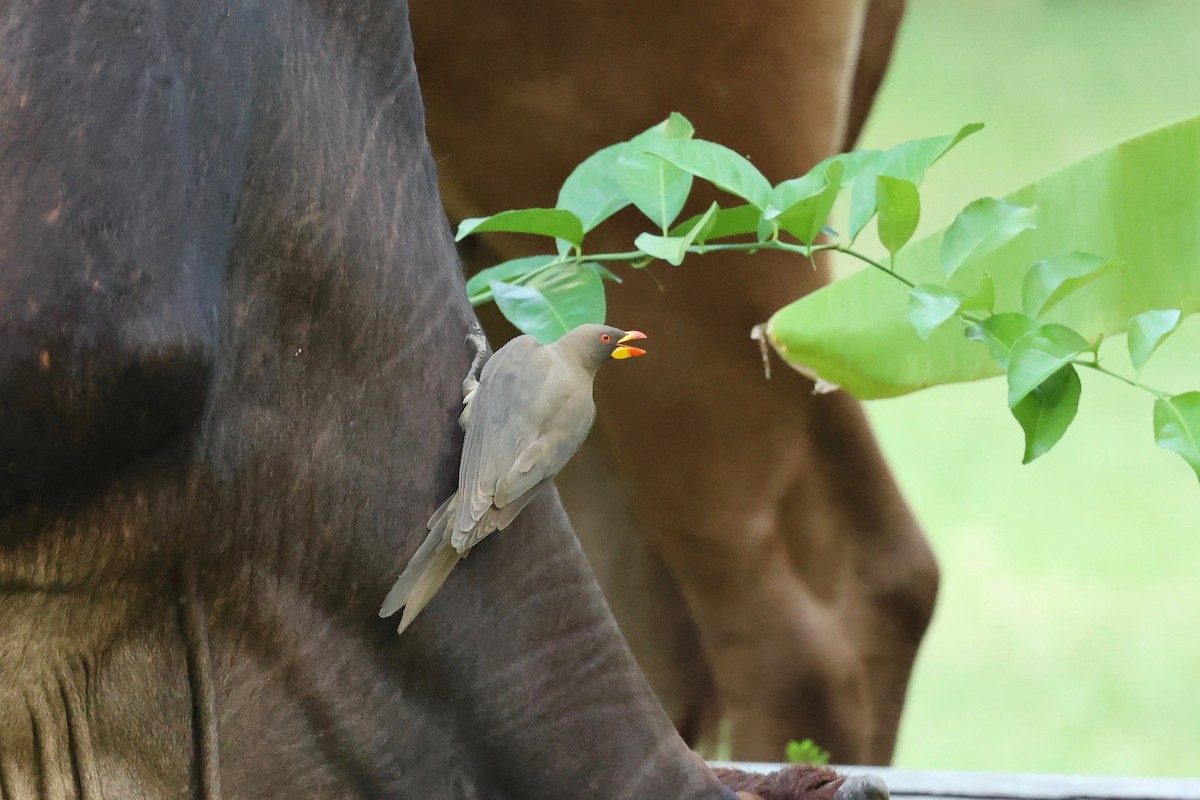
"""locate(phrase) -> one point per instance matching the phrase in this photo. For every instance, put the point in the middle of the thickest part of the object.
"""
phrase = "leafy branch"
(654, 172)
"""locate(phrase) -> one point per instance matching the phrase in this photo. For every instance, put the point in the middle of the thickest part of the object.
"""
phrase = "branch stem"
(873, 263)
(1095, 365)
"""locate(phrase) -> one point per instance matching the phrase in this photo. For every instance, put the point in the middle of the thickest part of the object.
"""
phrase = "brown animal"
(748, 535)
(231, 360)
(800, 782)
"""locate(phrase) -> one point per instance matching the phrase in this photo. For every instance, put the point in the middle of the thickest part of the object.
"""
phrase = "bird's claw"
(478, 341)
(474, 333)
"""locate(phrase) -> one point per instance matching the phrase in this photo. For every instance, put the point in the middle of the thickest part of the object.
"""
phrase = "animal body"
(748, 535)
(229, 304)
(524, 417)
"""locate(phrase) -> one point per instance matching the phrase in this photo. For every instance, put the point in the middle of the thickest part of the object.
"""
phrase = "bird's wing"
(496, 425)
(527, 419)
(497, 519)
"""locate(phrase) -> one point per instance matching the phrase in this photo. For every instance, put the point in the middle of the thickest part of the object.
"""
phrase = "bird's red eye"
(605, 337)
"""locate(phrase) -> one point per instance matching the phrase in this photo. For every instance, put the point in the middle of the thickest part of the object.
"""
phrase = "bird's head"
(596, 345)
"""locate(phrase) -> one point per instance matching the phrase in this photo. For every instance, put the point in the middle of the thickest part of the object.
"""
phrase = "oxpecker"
(525, 416)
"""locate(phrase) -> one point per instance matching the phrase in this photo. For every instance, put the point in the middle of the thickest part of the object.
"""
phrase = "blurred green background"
(1067, 637)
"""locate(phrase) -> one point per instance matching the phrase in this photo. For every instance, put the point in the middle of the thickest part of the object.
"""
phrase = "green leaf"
(862, 201)
(792, 191)
(552, 303)
(592, 191)
(853, 163)
(1136, 202)
(805, 218)
(657, 188)
(983, 298)
(479, 288)
(1000, 332)
(1039, 354)
(930, 305)
(672, 249)
(1177, 426)
(899, 206)
(767, 228)
(1047, 411)
(910, 160)
(716, 164)
(907, 161)
(556, 222)
(675, 126)
(980, 228)
(724, 223)
(1148, 330)
(1052, 279)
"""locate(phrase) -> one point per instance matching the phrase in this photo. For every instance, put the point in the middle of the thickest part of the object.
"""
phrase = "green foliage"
(806, 751)
(479, 287)
(716, 164)
(1177, 426)
(658, 188)
(1000, 332)
(672, 249)
(1045, 413)
(1136, 203)
(994, 255)
(983, 226)
(552, 303)
(907, 161)
(1038, 355)
(595, 190)
(899, 205)
(726, 222)
(1052, 279)
(930, 305)
(1148, 330)
(554, 222)
(805, 216)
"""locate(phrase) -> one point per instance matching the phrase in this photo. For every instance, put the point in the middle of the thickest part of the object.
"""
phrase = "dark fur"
(230, 365)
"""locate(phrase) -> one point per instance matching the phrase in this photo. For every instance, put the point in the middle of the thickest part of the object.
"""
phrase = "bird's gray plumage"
(527, 415)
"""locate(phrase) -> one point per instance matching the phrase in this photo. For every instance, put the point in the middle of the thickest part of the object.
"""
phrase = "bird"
(524, 417)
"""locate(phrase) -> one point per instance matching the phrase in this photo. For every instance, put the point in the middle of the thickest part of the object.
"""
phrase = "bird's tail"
(427, 570)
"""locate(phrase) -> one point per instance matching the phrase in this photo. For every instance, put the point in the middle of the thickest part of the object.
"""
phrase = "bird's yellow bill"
(625, 351)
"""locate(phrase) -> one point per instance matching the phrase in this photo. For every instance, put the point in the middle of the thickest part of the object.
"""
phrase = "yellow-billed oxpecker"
(525, 416)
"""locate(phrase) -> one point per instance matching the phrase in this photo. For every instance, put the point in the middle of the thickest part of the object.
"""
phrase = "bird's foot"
(478, 342)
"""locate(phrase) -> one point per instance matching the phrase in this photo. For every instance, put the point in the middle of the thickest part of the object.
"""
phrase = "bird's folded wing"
(503, 421)
(497, 519)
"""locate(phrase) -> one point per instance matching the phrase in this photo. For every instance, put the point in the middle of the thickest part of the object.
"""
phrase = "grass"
(1067, 637)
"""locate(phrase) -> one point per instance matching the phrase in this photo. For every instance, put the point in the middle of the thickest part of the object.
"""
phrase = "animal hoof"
(862, 787)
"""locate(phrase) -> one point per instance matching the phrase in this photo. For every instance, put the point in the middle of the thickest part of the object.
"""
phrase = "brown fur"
(796, 782)
(748, 535)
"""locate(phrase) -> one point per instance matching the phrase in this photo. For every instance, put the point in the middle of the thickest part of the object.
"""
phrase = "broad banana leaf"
(1137, 202)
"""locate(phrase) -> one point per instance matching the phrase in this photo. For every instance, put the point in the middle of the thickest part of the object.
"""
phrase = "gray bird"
(524, 418)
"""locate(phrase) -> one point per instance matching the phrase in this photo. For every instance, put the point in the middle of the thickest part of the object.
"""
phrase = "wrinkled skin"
(230, 368)
(753, 545)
